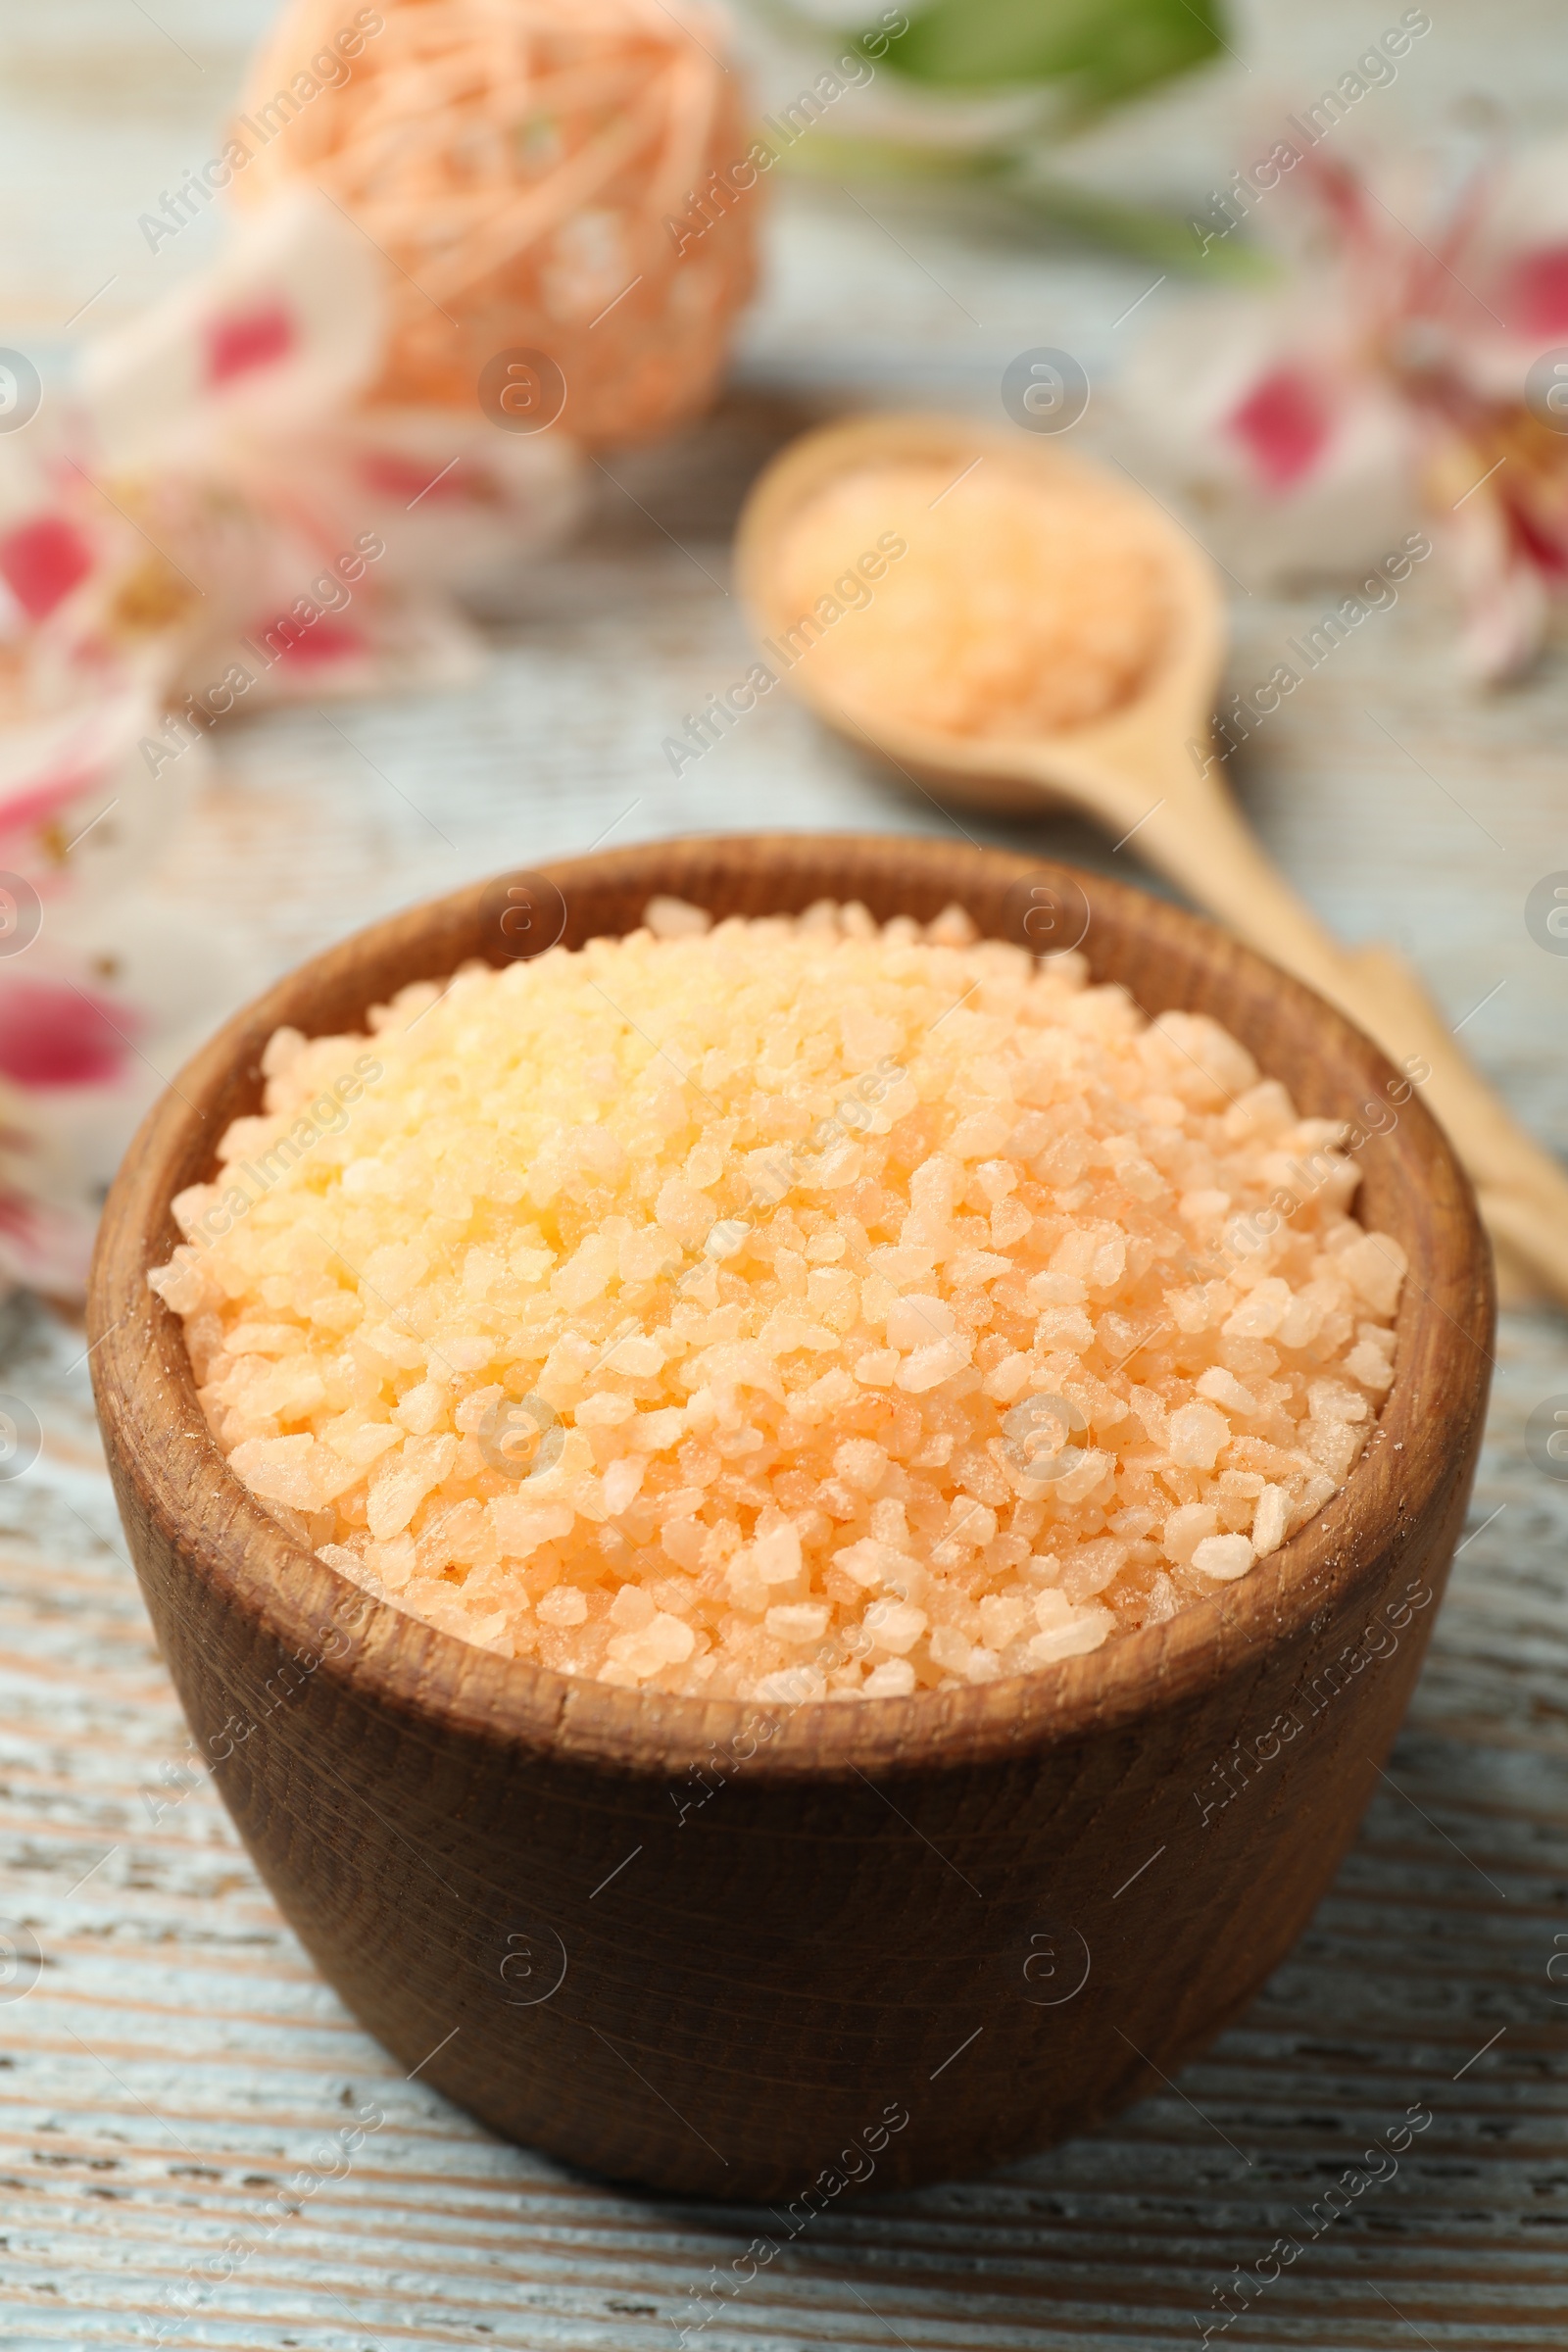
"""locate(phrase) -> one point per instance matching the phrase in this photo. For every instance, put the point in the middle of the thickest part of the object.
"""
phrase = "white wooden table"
(177, 2060)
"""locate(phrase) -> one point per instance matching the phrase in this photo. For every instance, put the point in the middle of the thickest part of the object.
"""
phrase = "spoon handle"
(1202, 840)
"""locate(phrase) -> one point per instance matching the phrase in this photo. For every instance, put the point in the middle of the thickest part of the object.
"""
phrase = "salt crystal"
(894, 1678)
(1270, 1519)
(895, 1625)
(1197, 1434)
(1225, 1557)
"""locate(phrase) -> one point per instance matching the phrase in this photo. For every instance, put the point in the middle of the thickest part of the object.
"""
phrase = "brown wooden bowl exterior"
(775, 1943)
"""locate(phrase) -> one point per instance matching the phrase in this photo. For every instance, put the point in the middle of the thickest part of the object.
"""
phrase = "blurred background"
(207, 397)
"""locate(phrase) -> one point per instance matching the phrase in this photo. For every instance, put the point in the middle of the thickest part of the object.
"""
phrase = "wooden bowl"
(762, 1954)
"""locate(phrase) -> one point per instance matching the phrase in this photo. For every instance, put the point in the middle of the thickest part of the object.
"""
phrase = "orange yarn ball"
(519, 163)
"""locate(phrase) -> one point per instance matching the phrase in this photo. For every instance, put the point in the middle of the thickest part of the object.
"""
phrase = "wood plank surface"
(175, 2065)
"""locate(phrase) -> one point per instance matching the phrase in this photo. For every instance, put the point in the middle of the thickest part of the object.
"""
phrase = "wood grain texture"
(178, 2058)
(881, 1908)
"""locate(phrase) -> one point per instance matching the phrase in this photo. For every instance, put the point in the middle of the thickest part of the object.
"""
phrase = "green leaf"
(1019, 179)
(1152, 236)
(1107, 49)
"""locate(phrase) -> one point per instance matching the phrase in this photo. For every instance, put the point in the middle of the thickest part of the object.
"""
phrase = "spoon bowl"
(1104, 769)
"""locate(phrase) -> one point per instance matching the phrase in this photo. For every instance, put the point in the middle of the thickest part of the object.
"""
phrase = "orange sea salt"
(1023, 606)
(899, 1312)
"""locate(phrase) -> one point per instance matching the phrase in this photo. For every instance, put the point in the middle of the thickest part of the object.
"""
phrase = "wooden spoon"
(1136, 771)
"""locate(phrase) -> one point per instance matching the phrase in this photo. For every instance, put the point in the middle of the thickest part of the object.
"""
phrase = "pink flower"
(1285, 423)
(42, 559)
(61, 1036)
(1392, 372)
(98, 1009)
(216, 520)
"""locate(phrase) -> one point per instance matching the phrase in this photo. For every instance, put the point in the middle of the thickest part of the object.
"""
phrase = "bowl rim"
(440, 1686)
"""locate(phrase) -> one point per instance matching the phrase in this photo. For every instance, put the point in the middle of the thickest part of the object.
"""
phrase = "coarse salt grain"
(875, 1312)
